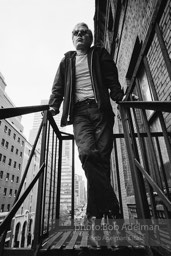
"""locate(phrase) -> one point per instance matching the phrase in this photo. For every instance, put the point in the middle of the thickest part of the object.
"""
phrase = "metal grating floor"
(71, 242)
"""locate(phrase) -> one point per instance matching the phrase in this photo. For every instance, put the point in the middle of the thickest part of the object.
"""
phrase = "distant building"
(80, 191)
(23, 224)
(12, 144)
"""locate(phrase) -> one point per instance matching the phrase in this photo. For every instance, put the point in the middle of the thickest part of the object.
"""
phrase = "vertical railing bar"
(151, 168)
(167, 213)
(165, 133)
(73, 184)
(146, 165)
(159, 173)
(162, 166)
(54, 182)
(118, 176)
(139, 175)
(139, 203)
(38, 217)
(50, 183)
(59, 183)
(153, 161)
(45, 183)
(145, 161)
(152, 150)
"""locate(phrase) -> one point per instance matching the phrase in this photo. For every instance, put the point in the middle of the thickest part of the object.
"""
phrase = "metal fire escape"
(145, 151)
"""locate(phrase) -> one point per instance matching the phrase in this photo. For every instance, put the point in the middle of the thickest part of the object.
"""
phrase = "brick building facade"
(138, 36)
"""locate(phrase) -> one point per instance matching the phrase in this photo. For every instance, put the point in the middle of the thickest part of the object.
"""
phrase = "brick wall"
(157, 64)
(137, 20)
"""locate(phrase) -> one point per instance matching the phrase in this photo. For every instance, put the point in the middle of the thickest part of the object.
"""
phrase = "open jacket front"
(104, 77)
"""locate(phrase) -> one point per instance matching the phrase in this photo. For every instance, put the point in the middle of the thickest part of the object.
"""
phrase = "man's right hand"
(52, 110)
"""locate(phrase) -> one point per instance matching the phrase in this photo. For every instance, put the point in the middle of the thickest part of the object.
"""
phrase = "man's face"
(81, 38)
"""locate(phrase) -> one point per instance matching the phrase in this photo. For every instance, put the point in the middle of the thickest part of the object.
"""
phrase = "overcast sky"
(34, 36)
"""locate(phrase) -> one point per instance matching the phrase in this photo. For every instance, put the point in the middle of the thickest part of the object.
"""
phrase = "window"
(21, 154)
(1, 174)
(15, 193)
(10, 161)
(15, 164)
(7, 176)
(10, 193)
(8, 207)
(22, 143)
(5, 128)
(9, 132)
(145, 88)
(18, 139)
(2, 207)
(6, 144)
(3, 142)
(19, 166)
(14, 136)
(17, 179)
(0, 157)
(16, 151)
(12, 179)
(12, 148)
(5, 191)
(4, 159)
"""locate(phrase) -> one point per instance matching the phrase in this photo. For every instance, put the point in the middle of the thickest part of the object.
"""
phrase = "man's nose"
(79, 33)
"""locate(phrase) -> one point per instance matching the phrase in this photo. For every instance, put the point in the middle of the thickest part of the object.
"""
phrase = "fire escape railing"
(147, 152)
(144, 151)
(48, 177)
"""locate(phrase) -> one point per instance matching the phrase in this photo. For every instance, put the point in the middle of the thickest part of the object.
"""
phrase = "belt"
(85, 102)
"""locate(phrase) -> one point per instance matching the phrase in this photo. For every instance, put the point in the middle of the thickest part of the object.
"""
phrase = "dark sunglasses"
(79, 32)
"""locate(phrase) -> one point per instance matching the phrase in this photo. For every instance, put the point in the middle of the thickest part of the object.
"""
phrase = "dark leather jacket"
(104, 78)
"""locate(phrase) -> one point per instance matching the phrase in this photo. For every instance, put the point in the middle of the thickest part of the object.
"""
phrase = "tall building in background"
(12, 142)
(80, 191)
(23, 224)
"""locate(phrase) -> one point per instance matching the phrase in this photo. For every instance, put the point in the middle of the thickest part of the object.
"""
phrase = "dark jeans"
(93, 132)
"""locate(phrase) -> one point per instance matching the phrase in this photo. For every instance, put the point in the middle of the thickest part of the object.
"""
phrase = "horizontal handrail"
(151, 105)
(11, 112)
(142, 134)
(164, 106)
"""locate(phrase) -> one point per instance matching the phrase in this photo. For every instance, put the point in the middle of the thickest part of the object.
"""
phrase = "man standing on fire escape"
(85, 81)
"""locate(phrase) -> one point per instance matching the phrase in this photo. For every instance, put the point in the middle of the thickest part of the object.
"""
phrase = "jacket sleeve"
(110, 76)
(57, 93)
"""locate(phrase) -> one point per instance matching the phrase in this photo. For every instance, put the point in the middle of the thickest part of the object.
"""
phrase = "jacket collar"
(72, 54)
